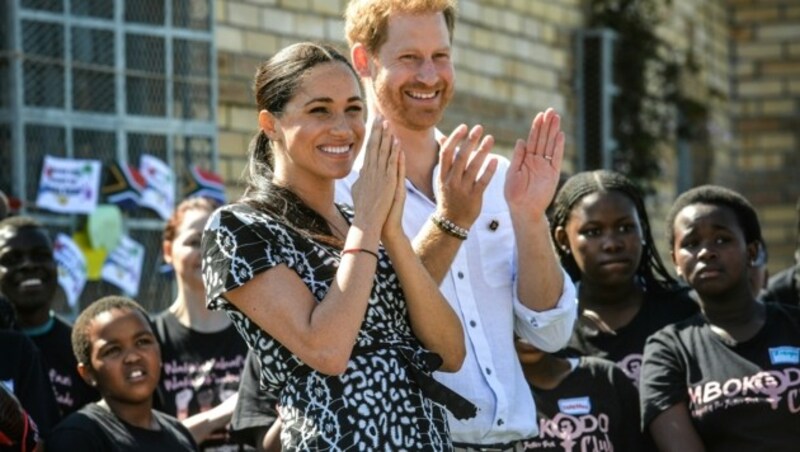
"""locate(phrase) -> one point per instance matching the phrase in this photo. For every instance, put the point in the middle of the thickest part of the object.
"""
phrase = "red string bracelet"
(360, 250)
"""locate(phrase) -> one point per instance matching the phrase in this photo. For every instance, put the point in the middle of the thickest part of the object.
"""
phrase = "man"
(478, 221)
(28, 279)
(784, 287)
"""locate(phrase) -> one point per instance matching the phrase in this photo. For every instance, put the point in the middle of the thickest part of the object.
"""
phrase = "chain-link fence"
(109, 80)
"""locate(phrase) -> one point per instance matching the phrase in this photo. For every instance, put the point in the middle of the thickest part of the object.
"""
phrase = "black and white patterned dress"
(377, 403)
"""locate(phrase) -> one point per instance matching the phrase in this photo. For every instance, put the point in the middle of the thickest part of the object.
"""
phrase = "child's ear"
(166, 251)
(561, 239)
(87, 375)
(755, 254)
(677, 269)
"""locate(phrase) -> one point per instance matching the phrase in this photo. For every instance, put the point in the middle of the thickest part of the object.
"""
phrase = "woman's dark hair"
(651, 269)
(276, 82)
(717, 196)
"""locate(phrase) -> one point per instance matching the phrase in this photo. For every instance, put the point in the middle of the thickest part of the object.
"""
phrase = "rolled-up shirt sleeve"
(548, 330)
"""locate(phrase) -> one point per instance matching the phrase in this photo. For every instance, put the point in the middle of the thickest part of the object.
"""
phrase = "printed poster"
(123, 266)
(69, 185)
(72, 270)
(159, 191)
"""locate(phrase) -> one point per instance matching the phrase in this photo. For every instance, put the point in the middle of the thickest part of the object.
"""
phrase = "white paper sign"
(159, 193)
(69, 185)
(123, 266)
(71, 268)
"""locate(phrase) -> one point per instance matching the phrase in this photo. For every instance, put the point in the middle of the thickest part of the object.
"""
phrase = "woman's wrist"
(360, 250)
(362, 237)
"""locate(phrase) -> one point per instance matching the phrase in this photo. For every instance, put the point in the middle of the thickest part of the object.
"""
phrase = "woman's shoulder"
(244, 222)
(240, 211)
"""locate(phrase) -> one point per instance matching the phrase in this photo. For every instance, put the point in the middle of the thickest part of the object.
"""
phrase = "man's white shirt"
(480, 287)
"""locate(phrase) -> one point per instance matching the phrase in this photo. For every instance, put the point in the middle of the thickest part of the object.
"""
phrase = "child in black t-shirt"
(255, 418)
(18, 431)
(727, 379)
(625, 292)
(202, 352)
(22, 375)
(29, 280)
(118, 354)
(784, 287)
(582, 403)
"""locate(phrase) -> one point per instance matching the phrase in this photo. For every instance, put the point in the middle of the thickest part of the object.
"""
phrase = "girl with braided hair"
(625, 293)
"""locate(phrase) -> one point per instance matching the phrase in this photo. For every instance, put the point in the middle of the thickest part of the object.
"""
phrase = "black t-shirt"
(625, 346)
(784, 287)
(199, 370)
(58, 360)
(744, 397)
(595, 408)
(22, 374)
(256, 407)
(95, 428)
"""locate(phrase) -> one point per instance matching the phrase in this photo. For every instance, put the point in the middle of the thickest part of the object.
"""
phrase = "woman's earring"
(566, 250)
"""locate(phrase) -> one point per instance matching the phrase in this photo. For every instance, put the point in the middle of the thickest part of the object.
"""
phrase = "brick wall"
(512, 59)
(697, 35)
(765, 159)
(248, 32)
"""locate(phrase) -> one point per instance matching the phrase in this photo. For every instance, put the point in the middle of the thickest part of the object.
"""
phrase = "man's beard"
(393, 104)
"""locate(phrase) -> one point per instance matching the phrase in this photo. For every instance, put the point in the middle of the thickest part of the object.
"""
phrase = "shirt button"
(460, 275)
(488, 371)
(472, 323)
(500, 422)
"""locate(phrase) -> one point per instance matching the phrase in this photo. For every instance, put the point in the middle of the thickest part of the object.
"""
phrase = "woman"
(334, 302)
(625, 293)
(581, 403)
(118, 354)
(728, 378)
(203, 355)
